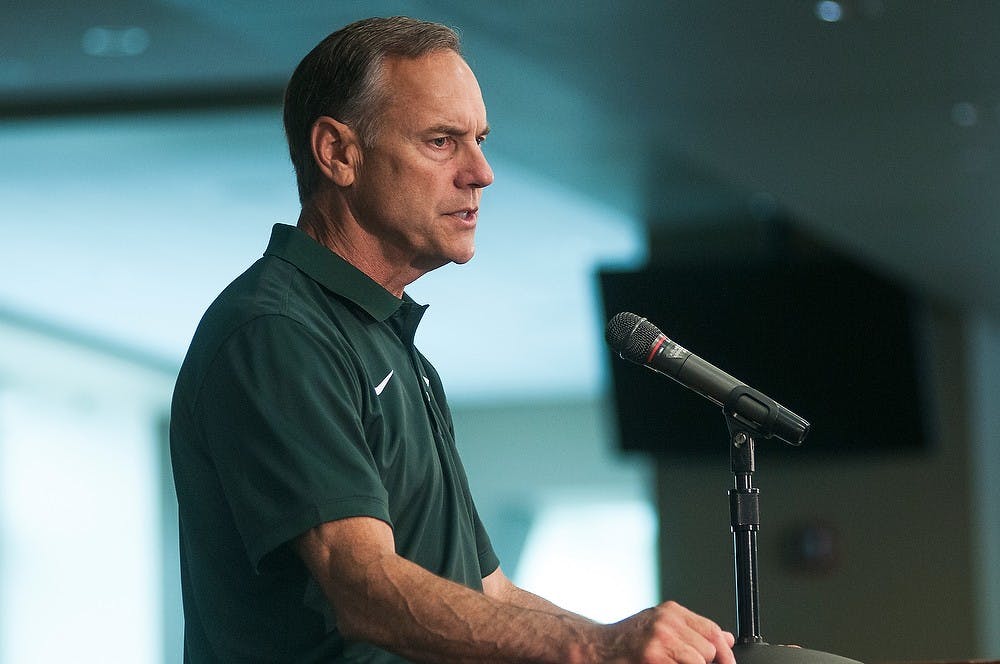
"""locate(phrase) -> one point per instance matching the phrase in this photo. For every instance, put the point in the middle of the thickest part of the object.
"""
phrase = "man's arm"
(499, 587)
(380, 597)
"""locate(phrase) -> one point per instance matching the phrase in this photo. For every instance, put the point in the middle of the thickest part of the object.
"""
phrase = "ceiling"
(878, 133)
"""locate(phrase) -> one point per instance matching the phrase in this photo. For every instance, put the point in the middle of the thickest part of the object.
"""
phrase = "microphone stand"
(744, 511)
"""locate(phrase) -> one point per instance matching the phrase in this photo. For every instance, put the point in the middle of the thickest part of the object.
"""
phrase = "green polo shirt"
(302, 399)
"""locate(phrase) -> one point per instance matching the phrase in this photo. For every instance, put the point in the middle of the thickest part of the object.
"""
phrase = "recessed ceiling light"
(829, 11)
(965, 114)
(115, 42)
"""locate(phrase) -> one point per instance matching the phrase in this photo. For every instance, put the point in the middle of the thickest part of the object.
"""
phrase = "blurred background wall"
(141, 167)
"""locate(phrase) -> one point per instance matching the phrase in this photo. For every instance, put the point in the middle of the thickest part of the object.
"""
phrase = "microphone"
(636, 339)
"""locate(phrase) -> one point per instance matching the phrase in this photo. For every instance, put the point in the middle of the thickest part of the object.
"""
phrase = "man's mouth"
(468, 215)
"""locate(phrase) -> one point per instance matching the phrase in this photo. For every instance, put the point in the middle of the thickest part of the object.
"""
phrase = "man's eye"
(480, 139)
(439, 142)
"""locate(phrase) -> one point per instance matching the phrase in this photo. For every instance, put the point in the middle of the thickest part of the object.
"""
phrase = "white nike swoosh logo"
(381, 386)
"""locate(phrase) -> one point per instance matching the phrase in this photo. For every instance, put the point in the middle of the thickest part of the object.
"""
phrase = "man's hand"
(668, 634)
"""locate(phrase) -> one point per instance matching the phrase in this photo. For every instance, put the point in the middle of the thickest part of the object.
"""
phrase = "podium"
(763, 653)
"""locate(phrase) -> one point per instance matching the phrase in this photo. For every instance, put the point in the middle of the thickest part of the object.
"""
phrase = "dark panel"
(832, 342)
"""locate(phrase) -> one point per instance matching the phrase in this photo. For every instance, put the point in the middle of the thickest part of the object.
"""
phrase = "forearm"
(380, 597)
(520, 597)
(425, 618)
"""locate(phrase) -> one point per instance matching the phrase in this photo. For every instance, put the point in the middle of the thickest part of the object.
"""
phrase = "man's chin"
(463, 256)
(456, 259)
(464, 259)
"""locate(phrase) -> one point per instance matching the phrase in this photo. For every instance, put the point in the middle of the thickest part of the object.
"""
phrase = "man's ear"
(336, 150)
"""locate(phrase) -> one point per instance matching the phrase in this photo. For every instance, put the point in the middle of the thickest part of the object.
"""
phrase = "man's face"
(418, 187)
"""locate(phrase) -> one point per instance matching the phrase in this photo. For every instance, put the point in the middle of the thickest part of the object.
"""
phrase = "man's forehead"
(440, 73)
(439, 86)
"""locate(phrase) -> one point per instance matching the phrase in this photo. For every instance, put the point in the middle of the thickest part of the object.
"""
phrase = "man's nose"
(477, 172)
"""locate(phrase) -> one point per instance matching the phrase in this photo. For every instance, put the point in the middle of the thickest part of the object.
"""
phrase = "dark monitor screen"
(832, 342)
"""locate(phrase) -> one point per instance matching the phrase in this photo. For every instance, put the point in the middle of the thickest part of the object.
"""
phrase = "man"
(324, 513)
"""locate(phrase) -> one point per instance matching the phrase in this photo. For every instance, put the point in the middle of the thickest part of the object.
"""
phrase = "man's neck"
(346, 238)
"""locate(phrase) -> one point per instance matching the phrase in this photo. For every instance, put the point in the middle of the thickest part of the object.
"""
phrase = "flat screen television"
(833, 342)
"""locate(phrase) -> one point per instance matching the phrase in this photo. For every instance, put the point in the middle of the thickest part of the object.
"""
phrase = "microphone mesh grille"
(632, 336)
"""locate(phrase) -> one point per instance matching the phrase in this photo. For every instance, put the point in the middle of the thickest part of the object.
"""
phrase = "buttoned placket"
(434, 414)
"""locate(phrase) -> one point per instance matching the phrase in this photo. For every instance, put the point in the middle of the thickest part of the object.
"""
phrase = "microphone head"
(631, 336)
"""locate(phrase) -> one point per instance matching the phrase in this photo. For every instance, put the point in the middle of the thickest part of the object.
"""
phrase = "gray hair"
(342, 78)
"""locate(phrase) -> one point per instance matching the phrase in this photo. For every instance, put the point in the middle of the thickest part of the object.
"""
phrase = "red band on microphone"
(656, 346)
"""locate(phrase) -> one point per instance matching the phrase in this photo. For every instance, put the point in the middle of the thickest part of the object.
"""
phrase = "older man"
(324, 512)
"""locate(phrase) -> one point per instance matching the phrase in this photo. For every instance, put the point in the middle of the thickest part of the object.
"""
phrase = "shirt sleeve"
(488, 559)
(282, 417)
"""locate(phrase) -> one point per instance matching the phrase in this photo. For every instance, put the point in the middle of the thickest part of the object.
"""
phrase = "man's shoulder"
(259, 291)
(267, 308)
(271, 288)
